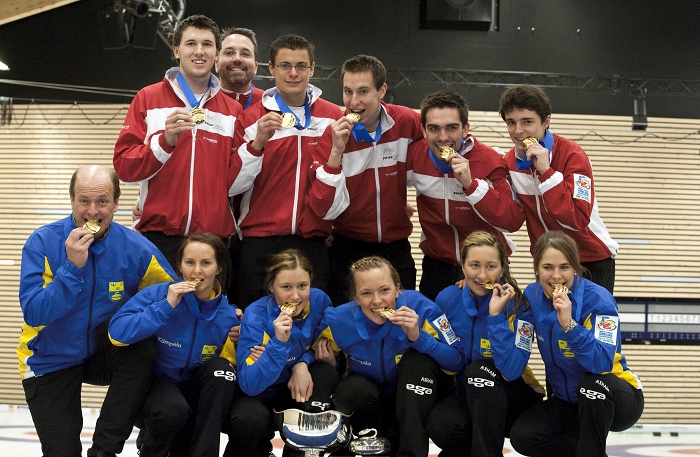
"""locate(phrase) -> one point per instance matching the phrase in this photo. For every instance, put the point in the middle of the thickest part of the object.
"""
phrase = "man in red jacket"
(553, 178)
(373, 151)
(290, 194)
(176, 143)
(466, 191)
(237, 64)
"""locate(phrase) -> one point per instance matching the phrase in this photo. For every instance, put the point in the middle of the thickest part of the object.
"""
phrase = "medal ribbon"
(525, 163)
(360, 133)
(191, 99)
(250, 98)
(285, 109)
(442, 165)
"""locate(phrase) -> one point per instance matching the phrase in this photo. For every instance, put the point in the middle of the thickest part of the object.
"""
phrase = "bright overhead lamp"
(3, 66)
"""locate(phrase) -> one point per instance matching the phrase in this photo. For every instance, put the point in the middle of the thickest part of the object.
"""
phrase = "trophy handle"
(368, 443)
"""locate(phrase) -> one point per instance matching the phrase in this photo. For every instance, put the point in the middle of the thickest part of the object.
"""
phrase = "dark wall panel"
(600, 38)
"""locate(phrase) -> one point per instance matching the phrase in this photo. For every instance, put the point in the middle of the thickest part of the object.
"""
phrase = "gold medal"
(488, 285)
(386, 312)
(445, 152)
(288, 307)
(560, 289)
(529, 141)
(198, 115)
(195, 281)
(288, 120)
(92, 226)
(353, 116)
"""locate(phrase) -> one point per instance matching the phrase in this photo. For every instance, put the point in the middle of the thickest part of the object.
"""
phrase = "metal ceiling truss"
(397, 78)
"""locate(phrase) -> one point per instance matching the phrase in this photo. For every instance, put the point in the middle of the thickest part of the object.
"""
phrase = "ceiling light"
(3, 66)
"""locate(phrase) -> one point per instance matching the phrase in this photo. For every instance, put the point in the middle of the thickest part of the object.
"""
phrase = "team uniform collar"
(214, 85)
(203, 309)
(313, 93)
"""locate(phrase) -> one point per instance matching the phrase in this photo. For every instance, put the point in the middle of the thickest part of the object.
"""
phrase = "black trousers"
(557, 427)
(437, 275)
(401, 418)
(601, 272)
(250, 426)
(345, 251)
(166, 244)
(54, 398)
(476, 424)
(187, 420)
(256, 253)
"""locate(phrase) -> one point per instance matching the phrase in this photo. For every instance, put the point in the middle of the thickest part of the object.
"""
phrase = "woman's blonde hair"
(370, 263)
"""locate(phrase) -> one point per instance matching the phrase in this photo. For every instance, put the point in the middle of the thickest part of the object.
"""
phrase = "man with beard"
(237, 64)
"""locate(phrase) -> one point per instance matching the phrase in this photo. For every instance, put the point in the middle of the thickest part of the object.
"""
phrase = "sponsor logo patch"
(583, 187)
(442, 324)
(606, 329)
(523, 335)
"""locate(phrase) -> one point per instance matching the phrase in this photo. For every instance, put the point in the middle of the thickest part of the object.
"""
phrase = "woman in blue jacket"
(590, 388)
(276, 366)
(194, 376)
(495, 326)
(396, 342)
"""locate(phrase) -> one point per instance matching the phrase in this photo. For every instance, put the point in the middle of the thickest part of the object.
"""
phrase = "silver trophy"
(314, 433)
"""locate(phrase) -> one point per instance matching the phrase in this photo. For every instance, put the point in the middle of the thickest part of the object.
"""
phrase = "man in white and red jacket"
(373, 151)
(176, 142)
(290, 193)
(553, 178)
(466, 192)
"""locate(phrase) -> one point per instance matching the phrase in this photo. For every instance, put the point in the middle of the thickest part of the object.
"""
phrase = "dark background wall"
(599, 38)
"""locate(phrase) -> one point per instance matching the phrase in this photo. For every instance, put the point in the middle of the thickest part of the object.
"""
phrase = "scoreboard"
(659, 319)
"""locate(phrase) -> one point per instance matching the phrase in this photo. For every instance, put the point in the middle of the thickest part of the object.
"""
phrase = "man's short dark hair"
(444, 99)
(116, 190)
(292, 42)
(198, 21)
(362, 63)
(241, 31)
(525, 96)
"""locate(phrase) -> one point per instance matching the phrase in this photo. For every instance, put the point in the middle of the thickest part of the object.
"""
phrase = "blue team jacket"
(274, 367)
(593, 346)
(63, 304)
(505, 338)
(186, 336)
(377, 356)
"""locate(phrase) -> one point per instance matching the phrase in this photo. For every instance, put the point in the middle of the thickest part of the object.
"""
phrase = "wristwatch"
(569, 327)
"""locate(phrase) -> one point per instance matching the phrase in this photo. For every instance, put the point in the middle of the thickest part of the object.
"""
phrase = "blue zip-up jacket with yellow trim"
(505, 338)
(274, 367)
(377, 356)
(186, 336)
(592, 346)
(63, 304)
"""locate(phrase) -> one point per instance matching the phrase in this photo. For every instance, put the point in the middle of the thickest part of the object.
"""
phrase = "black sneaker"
(96, 451)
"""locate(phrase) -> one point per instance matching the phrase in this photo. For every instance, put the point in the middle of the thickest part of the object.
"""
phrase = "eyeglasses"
(301, 67)
(244, 54)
